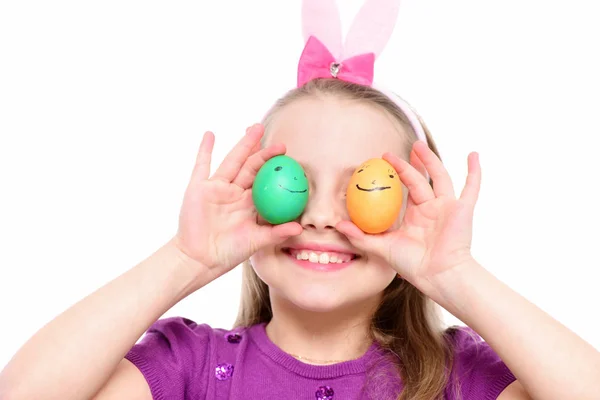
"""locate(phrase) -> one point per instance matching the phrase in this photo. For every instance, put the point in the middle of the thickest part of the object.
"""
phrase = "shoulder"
(476, 367)
(469, 349)
(187, 333)
(180, 327)
(170, 336)
(176, 353)
(184, 338)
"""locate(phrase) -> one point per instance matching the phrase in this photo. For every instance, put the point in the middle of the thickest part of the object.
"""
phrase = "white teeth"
(318, 257)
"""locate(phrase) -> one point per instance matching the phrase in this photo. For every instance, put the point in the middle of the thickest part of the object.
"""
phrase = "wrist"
(451, 289)
(182, 256)
(442, 280)
(184, 274)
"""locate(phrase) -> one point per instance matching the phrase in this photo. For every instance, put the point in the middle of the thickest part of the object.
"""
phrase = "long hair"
(407, 323)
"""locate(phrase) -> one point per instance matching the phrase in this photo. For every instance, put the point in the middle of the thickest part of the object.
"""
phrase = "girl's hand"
(435, 234)
(218, 221)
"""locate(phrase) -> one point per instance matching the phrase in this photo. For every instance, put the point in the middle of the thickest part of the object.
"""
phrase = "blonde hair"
(407, 323)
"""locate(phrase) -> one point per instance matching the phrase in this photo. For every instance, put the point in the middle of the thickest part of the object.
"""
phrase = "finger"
(269, 235)
(202, 168)
(470, 192)
(442, 184)
(245, 178)
(417, 164)
(418, 187)
(373, 244)
(236, 158)
(257, 145)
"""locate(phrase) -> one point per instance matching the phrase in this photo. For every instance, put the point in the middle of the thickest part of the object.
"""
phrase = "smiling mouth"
(373, 189)
(320, 257)
(293, 191)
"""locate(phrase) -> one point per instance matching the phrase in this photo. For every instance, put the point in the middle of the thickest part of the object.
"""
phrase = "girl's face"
(329, 137)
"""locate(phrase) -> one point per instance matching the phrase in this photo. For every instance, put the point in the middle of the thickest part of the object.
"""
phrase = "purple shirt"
(182, 360)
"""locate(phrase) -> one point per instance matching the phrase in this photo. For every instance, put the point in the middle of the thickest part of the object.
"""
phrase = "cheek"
(382, 273)
(266, 265)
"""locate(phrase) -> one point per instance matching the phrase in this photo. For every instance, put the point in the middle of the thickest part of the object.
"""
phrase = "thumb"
(269, 235)
(376, 244)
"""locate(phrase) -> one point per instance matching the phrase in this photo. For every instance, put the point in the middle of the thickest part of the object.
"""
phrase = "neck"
(321, 337)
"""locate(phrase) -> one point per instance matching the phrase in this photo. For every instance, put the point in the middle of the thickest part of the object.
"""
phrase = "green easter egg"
(280, 190)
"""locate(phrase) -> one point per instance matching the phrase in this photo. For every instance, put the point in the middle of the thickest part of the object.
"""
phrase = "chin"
(324, 300)
(318, 296)
(335, 281)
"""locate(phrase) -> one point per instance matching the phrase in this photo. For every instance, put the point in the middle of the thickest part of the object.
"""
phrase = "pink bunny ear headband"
(325, 56)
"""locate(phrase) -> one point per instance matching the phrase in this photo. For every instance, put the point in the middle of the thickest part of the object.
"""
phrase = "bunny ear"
(371, 28)
(321, 18)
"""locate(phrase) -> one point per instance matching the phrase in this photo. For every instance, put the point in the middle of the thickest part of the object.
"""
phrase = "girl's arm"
(74, 355)
(432, 250)
(126, 383)
(549, 360)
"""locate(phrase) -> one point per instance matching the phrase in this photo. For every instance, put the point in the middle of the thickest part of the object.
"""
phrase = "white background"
(103, 104)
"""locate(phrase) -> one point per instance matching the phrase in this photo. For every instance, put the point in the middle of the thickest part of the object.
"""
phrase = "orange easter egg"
(374, 196)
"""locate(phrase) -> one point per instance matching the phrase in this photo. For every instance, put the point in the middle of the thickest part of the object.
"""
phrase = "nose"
(323, 211)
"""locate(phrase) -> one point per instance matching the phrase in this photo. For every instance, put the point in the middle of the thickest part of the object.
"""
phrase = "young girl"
(328, 312)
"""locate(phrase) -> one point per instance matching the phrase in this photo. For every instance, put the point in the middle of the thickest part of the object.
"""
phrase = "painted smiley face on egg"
(374, 196)
(280, 190)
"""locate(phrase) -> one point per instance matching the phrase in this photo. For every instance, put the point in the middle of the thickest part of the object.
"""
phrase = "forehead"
(329, 132)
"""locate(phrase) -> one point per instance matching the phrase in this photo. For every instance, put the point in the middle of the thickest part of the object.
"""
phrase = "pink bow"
(317, 61)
